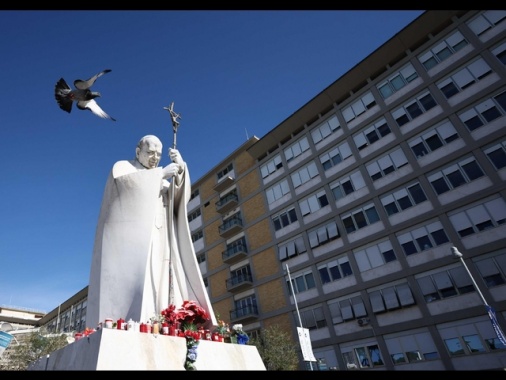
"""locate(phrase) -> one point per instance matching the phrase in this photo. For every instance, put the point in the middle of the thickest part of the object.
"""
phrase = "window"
(277, 191)
(493, 269)
(292, 248)
(347, 309)
(231, 221)
(433, 139)
(245, 306)
(301, 282)
(335, 270)
(455, 175)
(484, 112)
(360, 218)
(423, 238)
(304, 174)
(284, 218)
(238, 245)
(347, 185)
(375, 255)
(313, 318)
(197, 236)
(194, 215)
(228, 197)
(387, 164)
(240, 275)
(391, 298)
(468, 338)
(500, 53)
(397, 81)
(446, 283)
(323, 234)
(271, 166)
(371, 134)
(296, 149)
(464, 78)
(201, 258)
(480, 217)
(411, 346)
(357, 108)
(363, 357)
(325, 129)
(313, 203)
(194, 194)
(224, 172)
(486, 21)
(414, 108)
(442, 50)
(403, 199)
(497, 155)
(472, 342)
(335, 155)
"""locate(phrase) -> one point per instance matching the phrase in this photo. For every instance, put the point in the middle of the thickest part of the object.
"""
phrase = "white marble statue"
(139, 267)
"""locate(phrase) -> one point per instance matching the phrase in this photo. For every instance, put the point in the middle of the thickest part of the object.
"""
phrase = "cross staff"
(175, 124)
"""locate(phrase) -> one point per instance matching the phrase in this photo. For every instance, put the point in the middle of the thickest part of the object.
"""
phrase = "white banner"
(305, 344)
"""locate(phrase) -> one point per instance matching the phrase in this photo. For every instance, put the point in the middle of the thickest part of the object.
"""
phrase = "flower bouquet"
(189, 317)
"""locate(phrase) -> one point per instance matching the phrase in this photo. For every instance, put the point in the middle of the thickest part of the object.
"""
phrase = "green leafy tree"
(34, 346)
(277, 350)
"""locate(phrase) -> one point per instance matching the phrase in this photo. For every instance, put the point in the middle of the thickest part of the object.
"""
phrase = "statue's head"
(149, 151)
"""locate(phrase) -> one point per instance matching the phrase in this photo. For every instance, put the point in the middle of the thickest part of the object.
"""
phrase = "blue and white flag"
(5, 340)
(495, 324)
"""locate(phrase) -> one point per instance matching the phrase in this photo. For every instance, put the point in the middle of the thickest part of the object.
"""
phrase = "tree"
(277, 350)
(34, 346)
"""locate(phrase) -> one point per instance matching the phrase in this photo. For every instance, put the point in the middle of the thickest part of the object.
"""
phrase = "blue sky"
(230, 74)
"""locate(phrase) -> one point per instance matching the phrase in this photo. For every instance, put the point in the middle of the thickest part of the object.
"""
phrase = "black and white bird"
(82, 95)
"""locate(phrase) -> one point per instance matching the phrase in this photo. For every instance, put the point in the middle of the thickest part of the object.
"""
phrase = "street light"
(458, 255)
(490, 310)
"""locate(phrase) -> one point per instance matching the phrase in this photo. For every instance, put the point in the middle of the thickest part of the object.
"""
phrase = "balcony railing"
(230, 227)
(234, 254)
(240, 282)
(227, 203)
(246, 314)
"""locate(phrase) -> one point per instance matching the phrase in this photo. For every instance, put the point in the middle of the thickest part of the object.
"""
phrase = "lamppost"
(490, 310)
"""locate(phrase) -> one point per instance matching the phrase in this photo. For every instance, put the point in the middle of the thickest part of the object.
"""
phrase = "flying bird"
(82, 95)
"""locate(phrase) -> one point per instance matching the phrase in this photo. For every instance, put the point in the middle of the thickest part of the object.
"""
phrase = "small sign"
(305, 344)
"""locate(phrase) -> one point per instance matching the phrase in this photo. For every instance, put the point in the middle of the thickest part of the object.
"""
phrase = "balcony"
(230, 227)
(234, 254)
(239, 283)
(223, 183)
(246, 314)
(227, 203)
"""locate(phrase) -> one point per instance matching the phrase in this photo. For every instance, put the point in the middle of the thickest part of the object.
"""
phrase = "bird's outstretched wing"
(85, 84)
(61, 90)
(93, 106)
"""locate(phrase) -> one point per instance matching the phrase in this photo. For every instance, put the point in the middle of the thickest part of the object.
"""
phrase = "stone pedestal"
(110, 349)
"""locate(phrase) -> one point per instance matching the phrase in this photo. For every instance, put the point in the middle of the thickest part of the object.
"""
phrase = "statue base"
(111, 349)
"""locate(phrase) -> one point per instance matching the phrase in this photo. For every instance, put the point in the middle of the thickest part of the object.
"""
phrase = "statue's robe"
(129, 275)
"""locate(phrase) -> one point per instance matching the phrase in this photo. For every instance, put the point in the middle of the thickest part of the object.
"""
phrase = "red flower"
(191, 312)
(169, 315)
(189, 316)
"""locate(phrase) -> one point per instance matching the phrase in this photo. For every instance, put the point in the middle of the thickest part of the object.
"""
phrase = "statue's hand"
(175, 156)
(170, 170)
